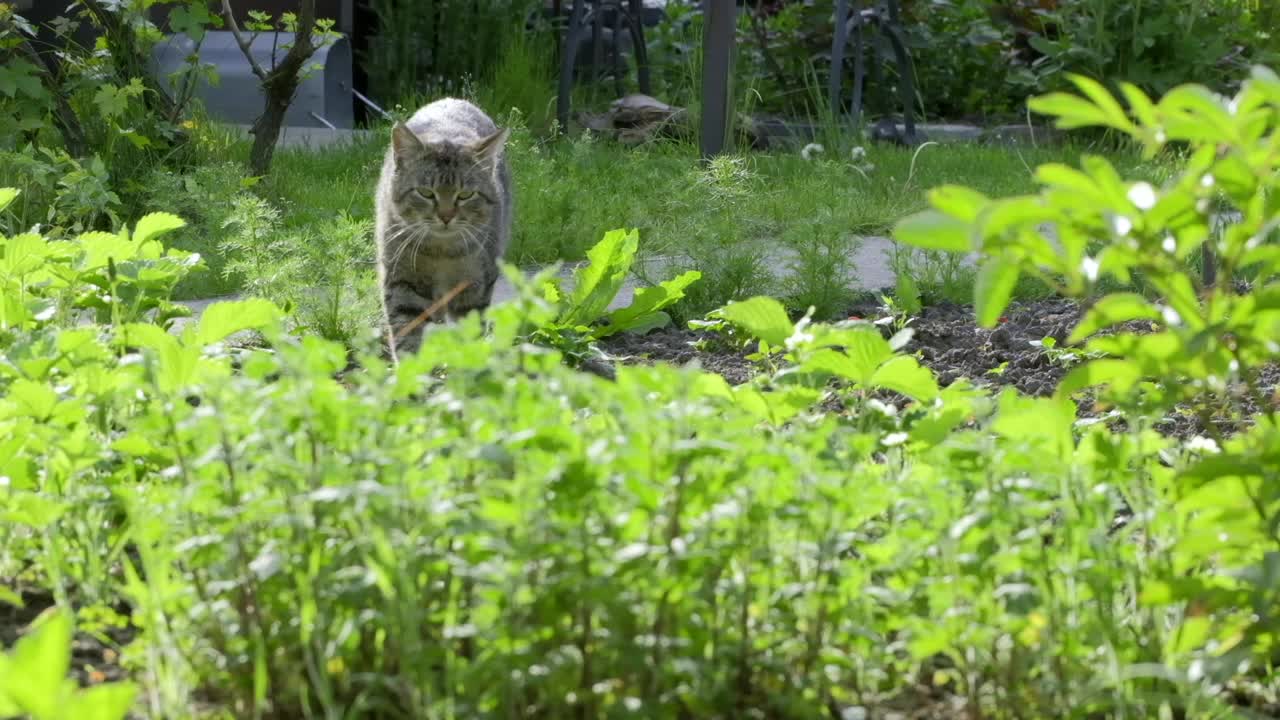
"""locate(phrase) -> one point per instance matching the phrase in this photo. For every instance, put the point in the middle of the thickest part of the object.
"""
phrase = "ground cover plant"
(483, 531)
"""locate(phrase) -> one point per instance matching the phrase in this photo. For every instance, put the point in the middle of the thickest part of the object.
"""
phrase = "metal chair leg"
(568, 51)
(859, 66)
(639, 49)
(596, 14)
(838, 40)
(617, 50)
(906, 81)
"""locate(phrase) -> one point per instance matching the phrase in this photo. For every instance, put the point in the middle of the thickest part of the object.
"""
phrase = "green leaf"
(994, 287)
(39, 664)
(7, 196)
(1104, 101)
(9, 707)
(958, 201)
(156, 224)
(226, 318)
(904, 374)
(103, 702)
(1072, 181)
(1181, 296)
(1071, 112)
(642, 313)
(760, 317)
(1119, 374)
(1113, 310)
(32, 399)
(1041, 420)
(1140, 105)
(932, 230)
(598, 282)
(907, 294)
(9, 597)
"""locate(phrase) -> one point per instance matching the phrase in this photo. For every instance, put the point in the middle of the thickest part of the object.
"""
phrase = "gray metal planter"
(324, 96)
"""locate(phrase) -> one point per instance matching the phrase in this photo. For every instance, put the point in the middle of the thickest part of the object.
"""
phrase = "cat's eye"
(466, 195)
(426, 194)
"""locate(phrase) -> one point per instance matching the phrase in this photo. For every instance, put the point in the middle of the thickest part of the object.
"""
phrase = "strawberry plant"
(1181, 346)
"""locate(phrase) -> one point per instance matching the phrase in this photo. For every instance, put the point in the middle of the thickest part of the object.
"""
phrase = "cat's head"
(452, 187)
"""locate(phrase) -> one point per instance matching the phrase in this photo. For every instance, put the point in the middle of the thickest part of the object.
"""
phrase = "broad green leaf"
(994, 287)
(932, 230)
(1026, 211)
(907, 294)
(1181, 296)
(1113, 310)
(23, 255)
(644, 307)
(1194, 113)
(103, 702)
(1105, 102)
(862, 350)
(1266, 80)
(1072, 181)
(226, 318)
(1071, 112)
(838, 364)
(156, 224)
(9, 707)
(32, 399)
(958, 201)
(598, 282)
(1140, 105)
(1119, 374)
(760, 317)
(39, 664)
(904, 374)
(7, 196)
(1043, 420)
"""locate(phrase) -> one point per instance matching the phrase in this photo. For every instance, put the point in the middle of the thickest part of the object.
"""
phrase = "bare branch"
(245, 45)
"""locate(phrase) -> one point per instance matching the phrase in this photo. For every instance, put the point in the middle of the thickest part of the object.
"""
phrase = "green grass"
(725, 219)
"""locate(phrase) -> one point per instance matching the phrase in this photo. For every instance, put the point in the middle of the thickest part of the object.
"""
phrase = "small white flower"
(1207, 181)
(1170, 245)
(1203, 444)
(808, 151)
(1089, 266)
(1171, 316)
(1142, 195)
(858, 153)
(893, 439)
(1121, 225)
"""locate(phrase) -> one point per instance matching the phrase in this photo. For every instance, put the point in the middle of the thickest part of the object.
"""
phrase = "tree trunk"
(266, 133)
(279, 84)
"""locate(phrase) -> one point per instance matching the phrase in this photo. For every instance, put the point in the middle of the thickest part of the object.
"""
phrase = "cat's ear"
(490, 148)
(403, 142)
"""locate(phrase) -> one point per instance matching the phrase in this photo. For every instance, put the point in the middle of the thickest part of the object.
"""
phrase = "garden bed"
(947, 340)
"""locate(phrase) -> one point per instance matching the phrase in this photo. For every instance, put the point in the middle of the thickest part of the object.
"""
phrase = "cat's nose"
(446, 214)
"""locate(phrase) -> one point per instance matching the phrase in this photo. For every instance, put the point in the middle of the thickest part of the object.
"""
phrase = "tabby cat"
(443, 216)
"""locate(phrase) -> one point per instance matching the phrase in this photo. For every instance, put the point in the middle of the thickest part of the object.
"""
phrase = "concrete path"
(311, 137)
(870, 263)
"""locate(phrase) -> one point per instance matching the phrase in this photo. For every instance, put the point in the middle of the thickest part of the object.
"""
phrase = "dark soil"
(95, 656)
(947, 340)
